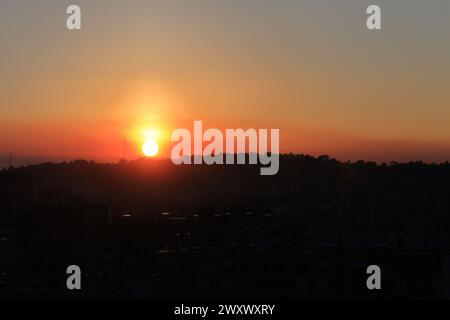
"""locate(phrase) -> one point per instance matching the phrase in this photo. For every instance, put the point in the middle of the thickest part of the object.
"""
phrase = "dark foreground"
(149, 229)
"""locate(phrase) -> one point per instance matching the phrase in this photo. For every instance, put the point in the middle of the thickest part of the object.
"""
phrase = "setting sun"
(150, 148)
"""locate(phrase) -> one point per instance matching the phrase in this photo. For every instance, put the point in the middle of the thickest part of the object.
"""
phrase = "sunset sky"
(307, 67)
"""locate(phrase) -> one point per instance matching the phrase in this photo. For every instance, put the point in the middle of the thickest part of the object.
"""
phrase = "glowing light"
(150, 134)
(150, 148)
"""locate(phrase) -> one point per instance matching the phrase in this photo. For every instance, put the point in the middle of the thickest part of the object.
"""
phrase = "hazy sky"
(310, 68)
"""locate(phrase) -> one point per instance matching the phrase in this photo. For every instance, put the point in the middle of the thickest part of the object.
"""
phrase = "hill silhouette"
(148, 228)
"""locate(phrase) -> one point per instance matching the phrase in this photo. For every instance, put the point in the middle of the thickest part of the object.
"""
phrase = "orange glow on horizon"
(147, 140)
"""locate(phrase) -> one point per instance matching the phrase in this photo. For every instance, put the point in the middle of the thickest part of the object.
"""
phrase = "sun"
(150, 148)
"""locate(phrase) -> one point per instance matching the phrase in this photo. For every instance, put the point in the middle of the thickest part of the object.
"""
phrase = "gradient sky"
(310, 68)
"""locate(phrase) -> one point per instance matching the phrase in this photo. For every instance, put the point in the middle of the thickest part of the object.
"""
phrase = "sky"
(310, 68)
